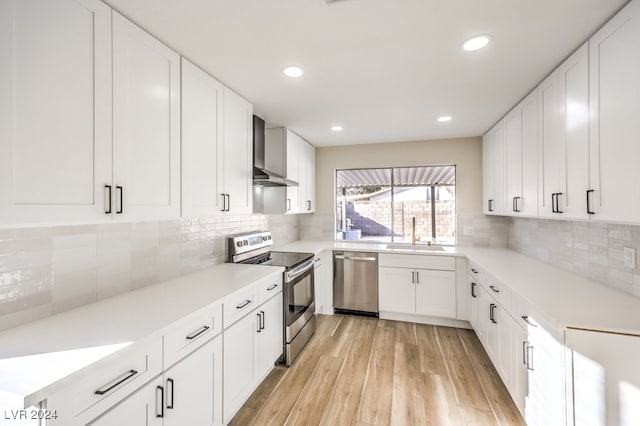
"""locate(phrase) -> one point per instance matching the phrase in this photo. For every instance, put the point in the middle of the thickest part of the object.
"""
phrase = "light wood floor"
(365, 371)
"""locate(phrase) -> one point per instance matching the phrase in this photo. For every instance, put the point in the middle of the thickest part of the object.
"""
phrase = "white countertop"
(38, 354)
(564, 298)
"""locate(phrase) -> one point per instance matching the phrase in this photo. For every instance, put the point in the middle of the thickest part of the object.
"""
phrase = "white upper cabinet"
(202, 105)
(307, 177)
(521, 159)
(293, 143)
(552, 156)
(55, 111)
(236, 162)
(146, 125)
(493, 148)
(574, 118)
(614, 126)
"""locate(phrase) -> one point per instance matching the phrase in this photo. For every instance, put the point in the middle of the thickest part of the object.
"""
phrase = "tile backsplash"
(592, 250)
(48, 270)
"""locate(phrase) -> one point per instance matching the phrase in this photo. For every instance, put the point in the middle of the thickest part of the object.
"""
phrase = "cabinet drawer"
(106, 382)
(501, 293)
(444, 263)
(238, 306)
(476, 273)
(269, 288)
(191, 332)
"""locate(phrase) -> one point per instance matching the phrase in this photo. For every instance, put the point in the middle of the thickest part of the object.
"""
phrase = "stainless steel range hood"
(269, 158)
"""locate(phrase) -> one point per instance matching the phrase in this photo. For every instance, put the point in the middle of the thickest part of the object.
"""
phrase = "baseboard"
(424, 319)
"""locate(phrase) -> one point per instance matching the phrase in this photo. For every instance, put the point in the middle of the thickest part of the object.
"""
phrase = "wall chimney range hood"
(269, 158)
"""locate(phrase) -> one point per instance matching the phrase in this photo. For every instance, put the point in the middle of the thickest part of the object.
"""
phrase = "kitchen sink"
(409, 247)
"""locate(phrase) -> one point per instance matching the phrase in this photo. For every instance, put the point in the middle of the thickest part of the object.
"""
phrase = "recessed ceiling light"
(293, 71)
(444, 118)
(336, 128)
(476, 43)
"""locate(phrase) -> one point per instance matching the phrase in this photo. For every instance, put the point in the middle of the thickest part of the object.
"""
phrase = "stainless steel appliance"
(269, 158)
(355, 282)
(298, 288)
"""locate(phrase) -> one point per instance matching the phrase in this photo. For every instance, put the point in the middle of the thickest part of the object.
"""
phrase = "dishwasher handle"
(365, 259)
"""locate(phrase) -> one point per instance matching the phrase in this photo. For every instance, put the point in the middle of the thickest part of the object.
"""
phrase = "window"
(382, 204)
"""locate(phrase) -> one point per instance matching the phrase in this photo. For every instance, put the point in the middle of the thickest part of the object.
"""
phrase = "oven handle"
(294, 273)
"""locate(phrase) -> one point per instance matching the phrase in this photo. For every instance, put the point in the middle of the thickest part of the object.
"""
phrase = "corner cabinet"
(55, 111)
(493, 170)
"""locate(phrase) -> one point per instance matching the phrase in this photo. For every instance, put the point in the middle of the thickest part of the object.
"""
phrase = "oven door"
(299, 298)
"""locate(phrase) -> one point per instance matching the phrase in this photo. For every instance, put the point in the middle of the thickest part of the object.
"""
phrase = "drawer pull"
(526, 319)
(494, 289)
(271, 287)
(492, 315)
(243, 304)
(197, 333)
(473, 289)
(475, 271)
(120, 380)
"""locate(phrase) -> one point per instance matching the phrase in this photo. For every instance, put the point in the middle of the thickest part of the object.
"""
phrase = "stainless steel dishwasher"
(355, 282)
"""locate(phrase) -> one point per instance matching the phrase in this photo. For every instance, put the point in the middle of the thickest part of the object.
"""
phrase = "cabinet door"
(474, 289)
(614, 127)
(488, 187)
(500, 188)
(293, 155)
(528, 205)
(201, 142)
(552, 155)
(606, 380)
(435, 293)
(238, 153)
(396, 290)
(546, 399)
(307, 171)
(55, 111)
(146, 124)
(504, 348)
(240, 361)
(486, 315)
(193, 388)
(271, 340)
(519, 347)
(293, 200)
(574, 116)
(513, 163)
(143, 408)
(311, 178)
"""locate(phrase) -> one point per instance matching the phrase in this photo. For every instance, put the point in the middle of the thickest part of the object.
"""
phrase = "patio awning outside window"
(402, 176)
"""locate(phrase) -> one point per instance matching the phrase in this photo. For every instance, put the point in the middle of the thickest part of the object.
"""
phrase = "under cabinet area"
(416, 284)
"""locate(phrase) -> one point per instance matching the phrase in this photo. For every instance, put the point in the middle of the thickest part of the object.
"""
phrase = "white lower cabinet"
(189, 393)
(606, 381)
(405, 287)
(323, 283)
(251, 347)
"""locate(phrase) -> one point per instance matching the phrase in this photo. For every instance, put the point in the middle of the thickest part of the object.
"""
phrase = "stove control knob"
(246, 243)
(264, 238)
(239, 244)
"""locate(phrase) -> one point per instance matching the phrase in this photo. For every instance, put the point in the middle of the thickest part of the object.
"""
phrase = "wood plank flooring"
(364, 371)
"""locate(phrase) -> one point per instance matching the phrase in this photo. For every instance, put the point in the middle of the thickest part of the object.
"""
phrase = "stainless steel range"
(299, 301)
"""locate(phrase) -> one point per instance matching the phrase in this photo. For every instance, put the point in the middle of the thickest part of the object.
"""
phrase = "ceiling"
(382, 69)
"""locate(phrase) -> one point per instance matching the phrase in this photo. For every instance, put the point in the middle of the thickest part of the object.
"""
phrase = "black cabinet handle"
(492, 317)
(515, 204)
(309, 205)
(490, 205)
(259, 322)
(589, 211)
(524, 352)
(473, 289)
(553, 202)
(224, 203)
(243, 304)
(121, 208)
(108, 188)
(271, 287)
(475, 271)
(197, 333)
(161, 405)
(288, 204)
(120, 380)
(228, 202)
(494, 289)
(262, 320)
(170, 404)
(530, 357)
(558, 202)
(526, 319)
